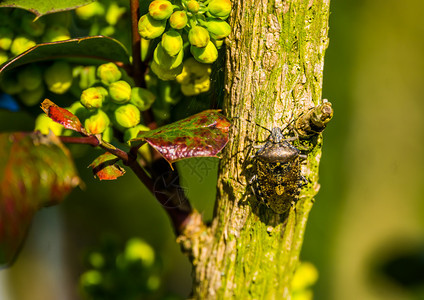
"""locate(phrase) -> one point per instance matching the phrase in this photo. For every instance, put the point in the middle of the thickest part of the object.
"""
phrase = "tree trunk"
(274, 71)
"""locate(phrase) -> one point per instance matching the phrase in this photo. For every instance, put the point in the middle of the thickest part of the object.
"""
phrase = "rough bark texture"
(274, 72)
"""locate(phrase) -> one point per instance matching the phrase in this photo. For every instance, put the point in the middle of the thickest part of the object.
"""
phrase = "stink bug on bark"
(277, 178)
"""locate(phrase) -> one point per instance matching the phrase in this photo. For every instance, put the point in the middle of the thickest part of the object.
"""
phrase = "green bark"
(274, 71)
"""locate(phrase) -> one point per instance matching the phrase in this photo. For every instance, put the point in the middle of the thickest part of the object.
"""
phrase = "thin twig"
(137, 65)
(88, 140)
(179, 215)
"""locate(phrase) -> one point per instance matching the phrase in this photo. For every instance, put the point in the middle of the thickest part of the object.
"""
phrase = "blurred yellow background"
(368, 215)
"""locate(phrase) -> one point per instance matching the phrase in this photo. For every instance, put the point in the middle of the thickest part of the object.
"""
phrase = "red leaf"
(105, 167)
(35, 171)
(62, 116)
(204, 134)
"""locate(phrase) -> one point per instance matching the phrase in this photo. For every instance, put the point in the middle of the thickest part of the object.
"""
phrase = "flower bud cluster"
(121, 102)
(200, 23)
(29, 82)
(115, 262)
(109, 102)
(108, 18)
(195, 77)
(19, 32)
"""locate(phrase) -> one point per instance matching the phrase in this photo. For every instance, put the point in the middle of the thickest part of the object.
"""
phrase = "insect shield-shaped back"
(277, 180)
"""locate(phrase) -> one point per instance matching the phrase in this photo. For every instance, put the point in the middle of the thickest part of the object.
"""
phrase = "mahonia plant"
(199, 26)
(19, 32)
(114, 105)
(109, 102)
(30, 83)
(116, 271)
(107, 18)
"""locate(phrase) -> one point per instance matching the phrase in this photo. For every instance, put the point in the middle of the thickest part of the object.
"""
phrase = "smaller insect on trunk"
(277, 178)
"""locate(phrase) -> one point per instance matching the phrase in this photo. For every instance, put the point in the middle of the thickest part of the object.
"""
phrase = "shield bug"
(277, 178)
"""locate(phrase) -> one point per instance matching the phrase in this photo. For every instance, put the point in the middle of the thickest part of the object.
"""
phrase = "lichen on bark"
(274, 66)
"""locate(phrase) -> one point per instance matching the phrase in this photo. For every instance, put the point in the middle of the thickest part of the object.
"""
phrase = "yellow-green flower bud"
(132, 133)
(195, 78)
(33, 97)
(108, 73)
(128, 79)
(97, 122)
(90, 11)
(178, 20)
(108, 30)
(55, 33)
(127, 115)
(150, 28)
(120, 91)
(79, 110)
(114, 13)
(44, 125)
(142, 98)
(30, 77)
(220, 8)
(96, 259)
(193, 6)
(172, 42)
(218, 43)
(87, 76)
(196, 68)
(138, 250)
(107, 135)
(165, 61)
(198, 36)
(184, 76)
(93, 97)
(200, 85)
(58, 77)
(91, 279)
(193, 70)
(160, 9)
(9, 85)
(3, 56)
(31, 27)
(144, 48)
(218, 29)
(165, 74)
(21, 44)
(205, 55)
(6, 36)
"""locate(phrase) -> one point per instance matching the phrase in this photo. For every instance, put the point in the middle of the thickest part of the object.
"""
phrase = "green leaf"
(204, 134)
(105, 167)
(35, 171)
(40, 8)
(92, 47)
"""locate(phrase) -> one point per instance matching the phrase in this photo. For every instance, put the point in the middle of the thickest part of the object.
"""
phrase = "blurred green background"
(365, 232)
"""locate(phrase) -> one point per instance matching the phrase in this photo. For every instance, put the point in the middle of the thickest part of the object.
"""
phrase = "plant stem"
(179, 214)
(168, 195)
(138, 68)
(88, 140)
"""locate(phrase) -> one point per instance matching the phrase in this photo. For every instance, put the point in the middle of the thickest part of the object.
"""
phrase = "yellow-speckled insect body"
(277, 178)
